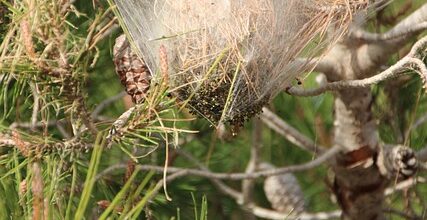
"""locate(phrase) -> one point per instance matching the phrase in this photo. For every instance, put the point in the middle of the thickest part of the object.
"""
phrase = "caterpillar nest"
(228, 58)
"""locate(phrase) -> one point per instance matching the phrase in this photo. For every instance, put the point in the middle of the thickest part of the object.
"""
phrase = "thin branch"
(316, 64)
(160, 183)
(30, 124)
(252, 207)
(422, 154)
(391, 72)
(419, 122)
(256, 210)
(414, 57)
(398, 33)
(417, 17)
(406, 184)
(237, 176)
(106, 103)
(63, 131)
(248, 184)
(220, 185)
(36, 105)
(291, 134)
(270, 214)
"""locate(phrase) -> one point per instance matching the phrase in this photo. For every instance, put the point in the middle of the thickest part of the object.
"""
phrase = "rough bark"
(359, 183)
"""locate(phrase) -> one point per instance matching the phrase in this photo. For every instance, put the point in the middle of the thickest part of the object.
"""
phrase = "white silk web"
(227, 58)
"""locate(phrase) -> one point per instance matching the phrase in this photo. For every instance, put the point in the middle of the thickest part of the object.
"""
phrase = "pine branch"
(412, 59)
(233, 176)
(293, 135)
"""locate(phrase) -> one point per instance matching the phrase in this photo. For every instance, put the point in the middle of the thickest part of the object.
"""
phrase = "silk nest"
(228, 58)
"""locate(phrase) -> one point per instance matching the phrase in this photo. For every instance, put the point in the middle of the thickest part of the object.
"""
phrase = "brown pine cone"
(133, 72)
(283, 192)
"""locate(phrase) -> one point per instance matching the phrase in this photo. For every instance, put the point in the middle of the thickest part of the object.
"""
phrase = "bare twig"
(293, 135)
(220, 185)
(419, 122)
(403, 185)
(417, 17)
(270, 214)
(63, 131)
(375, 37)
(252, 207)
(160, 183)
(106, 103)
(248, 184)
(422, 154)
(36, 105)
(391, 72)
(235, 176)
(316, 64)
(30, 124)
(204, 171)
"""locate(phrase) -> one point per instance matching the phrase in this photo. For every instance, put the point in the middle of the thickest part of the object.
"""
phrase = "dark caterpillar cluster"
(209, 101)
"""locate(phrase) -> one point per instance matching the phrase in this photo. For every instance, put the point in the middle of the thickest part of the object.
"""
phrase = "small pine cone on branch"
(283, 192)
(133, 72)
(397, 160)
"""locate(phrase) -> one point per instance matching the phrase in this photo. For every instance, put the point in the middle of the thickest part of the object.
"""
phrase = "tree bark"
(359, 183)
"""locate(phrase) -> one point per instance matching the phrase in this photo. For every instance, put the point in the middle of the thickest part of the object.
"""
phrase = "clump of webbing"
(228, 58)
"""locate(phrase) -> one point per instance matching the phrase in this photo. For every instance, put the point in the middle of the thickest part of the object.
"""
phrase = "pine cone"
(284, 192)
(398, 160)
(133, 72)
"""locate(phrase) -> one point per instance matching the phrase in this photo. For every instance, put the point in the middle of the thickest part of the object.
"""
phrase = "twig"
(391, 72)
(63, 131)
(270, 214)
(252, 207)
(36, 106)
(106, 103)
(293, 135)
(30, 124)
(316, 64)
(107, 30)
(403, 185)
(220, 185)
(66, 6)
(236, 176)
(400, 33)
(419, 122)
(422, 154)
(160, 183)
(414, 57)
(248, 184)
